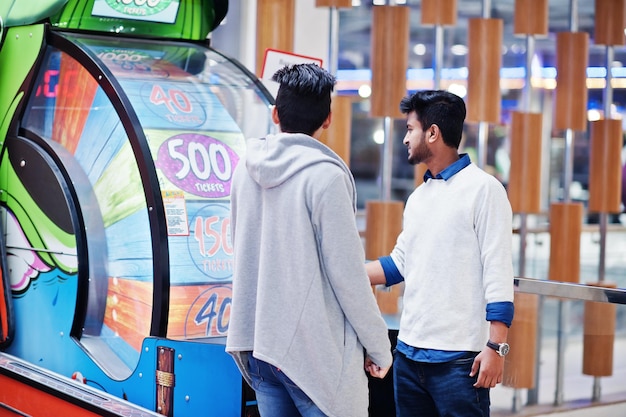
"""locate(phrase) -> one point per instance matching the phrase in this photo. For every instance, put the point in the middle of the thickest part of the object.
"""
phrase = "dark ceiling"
(355, 34)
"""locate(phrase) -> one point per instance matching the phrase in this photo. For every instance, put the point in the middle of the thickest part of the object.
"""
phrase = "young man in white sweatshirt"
(454, 255)
(304, 322)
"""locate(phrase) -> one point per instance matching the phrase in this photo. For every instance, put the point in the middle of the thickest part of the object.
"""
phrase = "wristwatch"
(501, 348)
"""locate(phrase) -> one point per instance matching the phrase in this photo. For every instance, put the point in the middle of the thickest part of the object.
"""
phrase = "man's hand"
(375, 370)
(489, 366)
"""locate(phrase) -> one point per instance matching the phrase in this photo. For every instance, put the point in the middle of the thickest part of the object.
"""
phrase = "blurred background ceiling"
(355, 22)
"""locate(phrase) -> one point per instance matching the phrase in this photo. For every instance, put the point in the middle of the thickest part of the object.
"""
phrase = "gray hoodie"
(301, 297)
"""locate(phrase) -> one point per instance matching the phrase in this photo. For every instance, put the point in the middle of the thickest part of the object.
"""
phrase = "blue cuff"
(502, 311)
(392, 275)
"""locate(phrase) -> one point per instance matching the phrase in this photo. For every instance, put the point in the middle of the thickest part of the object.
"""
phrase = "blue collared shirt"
(450, 170)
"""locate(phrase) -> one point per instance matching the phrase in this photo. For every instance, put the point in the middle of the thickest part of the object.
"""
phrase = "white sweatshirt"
(455, 255)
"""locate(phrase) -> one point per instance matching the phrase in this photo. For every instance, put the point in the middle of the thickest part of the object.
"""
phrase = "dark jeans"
(437, 389)
(276, 394)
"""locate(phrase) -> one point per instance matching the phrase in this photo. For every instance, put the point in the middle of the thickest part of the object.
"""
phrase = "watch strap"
(492, 345)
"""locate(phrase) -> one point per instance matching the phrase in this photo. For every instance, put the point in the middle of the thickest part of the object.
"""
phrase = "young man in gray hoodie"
(304, 324)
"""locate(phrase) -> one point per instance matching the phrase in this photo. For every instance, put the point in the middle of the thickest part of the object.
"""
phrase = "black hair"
(441, 108)
(303, 98)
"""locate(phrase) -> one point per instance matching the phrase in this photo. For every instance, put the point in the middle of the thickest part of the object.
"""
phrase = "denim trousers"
(276, 394)
(437, 389)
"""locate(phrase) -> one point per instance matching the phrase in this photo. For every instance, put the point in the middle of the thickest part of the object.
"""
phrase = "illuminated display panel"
(195, 108)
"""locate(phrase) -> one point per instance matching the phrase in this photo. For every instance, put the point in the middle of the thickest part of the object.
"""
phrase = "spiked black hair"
(303, 98)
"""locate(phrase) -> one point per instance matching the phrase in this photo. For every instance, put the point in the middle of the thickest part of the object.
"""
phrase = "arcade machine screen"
(190, 109)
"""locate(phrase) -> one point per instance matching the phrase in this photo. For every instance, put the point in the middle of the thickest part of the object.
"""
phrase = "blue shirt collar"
(450, 170)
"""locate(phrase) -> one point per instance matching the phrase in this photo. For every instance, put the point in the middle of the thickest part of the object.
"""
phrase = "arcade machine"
(120, 128)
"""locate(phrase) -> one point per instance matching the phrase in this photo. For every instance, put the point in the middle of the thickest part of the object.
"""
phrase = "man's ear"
(327, 121)
(433, 133)
(275, 118)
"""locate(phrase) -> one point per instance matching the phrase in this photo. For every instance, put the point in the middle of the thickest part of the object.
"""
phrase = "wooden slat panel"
(531, 17)
(524, 188)
(599, 335)
(338, 135)
(605, 166)
(439, 12)
(519, 365)
(389, 59)
(572, 57)
(565, 228)
(274, 28)
(610, 20)
(484, 62)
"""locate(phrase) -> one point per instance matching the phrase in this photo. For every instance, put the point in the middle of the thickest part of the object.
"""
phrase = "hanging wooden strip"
(439, 12)
(605, 166)
(566, 221)
(524, 187)
(531, 17)
(389, 59)
(274, 28)
(572, 57)
(610, 21)
(484, 63)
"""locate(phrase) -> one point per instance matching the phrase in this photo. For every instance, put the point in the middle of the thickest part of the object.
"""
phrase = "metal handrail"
(570, 290)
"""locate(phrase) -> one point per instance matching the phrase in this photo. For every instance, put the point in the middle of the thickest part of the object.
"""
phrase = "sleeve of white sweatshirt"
(344, 264)
(493, 221)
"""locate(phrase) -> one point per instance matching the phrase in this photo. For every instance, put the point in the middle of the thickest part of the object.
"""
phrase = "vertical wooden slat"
(439, 12)
(524, 186)
(484, 62)
(571, 80)
(383, 225)
(274, 28)
(531, 17)
(610, 20)
(565, 228)
(338, 135)
(389, 59)
(333, 3)
(418, 172)
(519, 365)
(605, 166)
(599, 335)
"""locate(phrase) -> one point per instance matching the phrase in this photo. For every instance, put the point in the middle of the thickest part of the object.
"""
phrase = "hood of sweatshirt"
(274, 159)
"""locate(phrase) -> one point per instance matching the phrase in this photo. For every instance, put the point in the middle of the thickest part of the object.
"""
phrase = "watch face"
(504, 349)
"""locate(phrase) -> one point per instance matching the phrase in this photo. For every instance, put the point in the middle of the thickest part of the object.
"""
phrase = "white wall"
(236, 37)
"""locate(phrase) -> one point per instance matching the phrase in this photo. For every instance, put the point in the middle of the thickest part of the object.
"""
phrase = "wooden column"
(565, 228)
(390, 59)
(338, 135)
(524, 187)
(383, 225)
(333, 3)
(571, 80)
(524, 191)
(389, 62)
(439, 12)
(519, 368)
(274, 28)
(484, 62)
(599, 335)
(605, 167)
(418, 172)
(610, 21)
(531, 17)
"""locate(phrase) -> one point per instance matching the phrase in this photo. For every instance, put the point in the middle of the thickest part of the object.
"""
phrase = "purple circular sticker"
(198, 164)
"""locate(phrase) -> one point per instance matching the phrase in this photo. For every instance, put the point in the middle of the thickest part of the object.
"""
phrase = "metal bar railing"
(569, 290)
